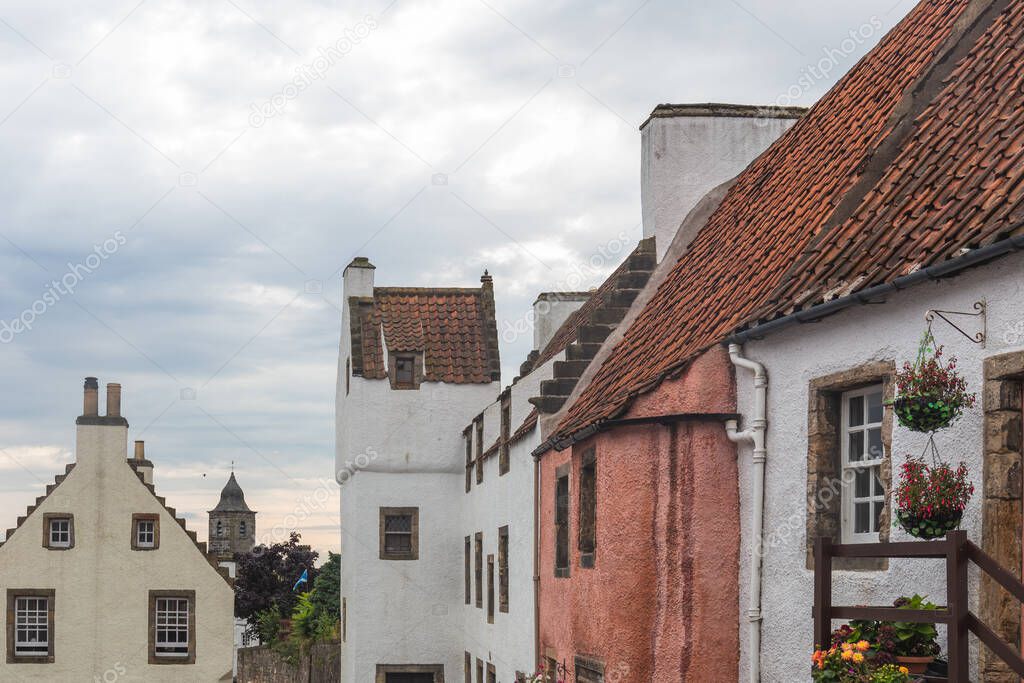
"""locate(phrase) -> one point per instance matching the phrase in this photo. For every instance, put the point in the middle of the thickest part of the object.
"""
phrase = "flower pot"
(916, 665)
(932, 527)
(925, 413)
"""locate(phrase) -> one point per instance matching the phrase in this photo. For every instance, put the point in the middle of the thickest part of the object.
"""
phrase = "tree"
(326, 596)
(267, 574)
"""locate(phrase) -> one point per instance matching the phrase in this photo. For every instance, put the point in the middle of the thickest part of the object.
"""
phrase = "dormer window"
(405, 372)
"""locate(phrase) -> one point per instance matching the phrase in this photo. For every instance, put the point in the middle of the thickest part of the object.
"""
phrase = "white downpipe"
(754, 435)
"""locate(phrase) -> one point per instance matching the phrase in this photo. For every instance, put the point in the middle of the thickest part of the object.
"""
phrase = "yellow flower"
(847, 655)
(857, 658)
(904, 670)
(863, 646)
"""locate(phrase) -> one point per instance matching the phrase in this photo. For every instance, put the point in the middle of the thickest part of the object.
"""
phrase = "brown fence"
(957, 551)
(322, 664)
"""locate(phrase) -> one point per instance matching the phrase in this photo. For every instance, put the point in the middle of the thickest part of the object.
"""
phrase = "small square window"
(145, 531)
(404, 374)
(399, 533)
(58, 530)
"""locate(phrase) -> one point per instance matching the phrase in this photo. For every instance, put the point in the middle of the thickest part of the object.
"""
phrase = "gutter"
(872, 294)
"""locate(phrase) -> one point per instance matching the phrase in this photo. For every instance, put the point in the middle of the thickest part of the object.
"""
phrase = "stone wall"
(262, 665)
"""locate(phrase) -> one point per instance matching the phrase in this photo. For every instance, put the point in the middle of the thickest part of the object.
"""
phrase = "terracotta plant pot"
(917, 665)
(931, 528)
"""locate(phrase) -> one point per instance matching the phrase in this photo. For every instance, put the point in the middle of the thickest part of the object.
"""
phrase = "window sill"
(29, 659)
(562, 572)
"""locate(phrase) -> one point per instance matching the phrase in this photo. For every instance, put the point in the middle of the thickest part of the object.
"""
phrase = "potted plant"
(855, 663)
(910, 645)
(930, 393)
(930, 499)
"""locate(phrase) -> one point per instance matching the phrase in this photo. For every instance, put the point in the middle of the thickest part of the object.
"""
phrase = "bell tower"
(232, 523)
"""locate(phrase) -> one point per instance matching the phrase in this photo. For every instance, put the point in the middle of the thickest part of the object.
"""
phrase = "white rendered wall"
(550, 310)
(684, 157)
(795, 356)
(504, 500)
(102, 586)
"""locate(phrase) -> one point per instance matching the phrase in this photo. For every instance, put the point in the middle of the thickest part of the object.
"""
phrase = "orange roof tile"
(454, 329)
(741, 264)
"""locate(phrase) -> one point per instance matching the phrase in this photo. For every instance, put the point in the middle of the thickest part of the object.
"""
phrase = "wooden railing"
(956, 550)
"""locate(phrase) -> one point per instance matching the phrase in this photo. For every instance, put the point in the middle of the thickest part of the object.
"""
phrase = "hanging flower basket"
(931, 394)
(931, 499)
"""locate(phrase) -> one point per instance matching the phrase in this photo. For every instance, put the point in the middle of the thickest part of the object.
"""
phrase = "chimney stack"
(140, 450)
(91, 408)
(358, 278)
(113, 400)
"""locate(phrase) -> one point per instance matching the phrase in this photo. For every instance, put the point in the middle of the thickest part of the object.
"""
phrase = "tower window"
(220, 528)
(399, 533)
(242, 529)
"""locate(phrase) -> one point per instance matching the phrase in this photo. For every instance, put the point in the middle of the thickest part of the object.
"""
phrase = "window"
(399, 533)
(862, 455)
(30, 626)
(146, 531)
(344, 620)
(242, 529)
(479, 671)
(468, 668)
(490, 589)
(503, 569)
(468, 436)
(220, 528)
(479, 429)
(588, 670)
(562, 521)
(492, 676)
(405, 372)
(348, 375)
(479, 568)
(58, 530)
(468, 578)
(588, 509)
(172, 627)
(506, 420)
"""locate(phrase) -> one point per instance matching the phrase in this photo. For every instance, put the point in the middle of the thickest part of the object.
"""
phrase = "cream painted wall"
(102, 586)
(795, 356)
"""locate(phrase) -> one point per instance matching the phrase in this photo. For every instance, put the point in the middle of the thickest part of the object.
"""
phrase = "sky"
(183, 183)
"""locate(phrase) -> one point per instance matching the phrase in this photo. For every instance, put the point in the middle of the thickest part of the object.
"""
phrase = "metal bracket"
(980, 310)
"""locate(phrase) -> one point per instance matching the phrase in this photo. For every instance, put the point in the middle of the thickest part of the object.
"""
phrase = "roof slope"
(454, 329)
(232, 498)
(769, 216)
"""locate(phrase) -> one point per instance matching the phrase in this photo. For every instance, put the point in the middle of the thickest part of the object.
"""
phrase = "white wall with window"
(797, 356)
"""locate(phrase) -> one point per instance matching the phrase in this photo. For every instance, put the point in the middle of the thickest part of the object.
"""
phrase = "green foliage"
(890, 673)
(931, 393)
(326, 595)
(915, 640)
(268, 624)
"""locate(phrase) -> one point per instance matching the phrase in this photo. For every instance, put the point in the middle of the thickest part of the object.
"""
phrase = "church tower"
(232, 523)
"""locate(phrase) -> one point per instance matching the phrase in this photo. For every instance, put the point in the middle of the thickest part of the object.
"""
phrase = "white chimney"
(358, 278)
(101, 437)
(550, 310)
(141, 464)
(689, 149)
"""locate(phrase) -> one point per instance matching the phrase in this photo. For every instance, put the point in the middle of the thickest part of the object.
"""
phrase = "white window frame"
(145, 533)
(35, 620)
(848, 469)
(63, 539)
(171, 619)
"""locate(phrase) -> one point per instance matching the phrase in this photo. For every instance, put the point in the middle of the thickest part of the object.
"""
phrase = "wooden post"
(822, 592)
(956, 602)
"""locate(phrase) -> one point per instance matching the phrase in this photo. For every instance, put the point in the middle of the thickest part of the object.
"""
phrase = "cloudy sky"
(195, 175)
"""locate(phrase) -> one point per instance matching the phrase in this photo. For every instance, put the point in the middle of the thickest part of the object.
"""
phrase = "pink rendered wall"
(661, 603)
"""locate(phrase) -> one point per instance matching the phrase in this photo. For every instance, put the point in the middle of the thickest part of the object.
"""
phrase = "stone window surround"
(503, 577)
(468, 666)
(384, 669)
(14, 593)
(563, 471)
(823, 459)
(414, 552)
(417, 370)
(478, 447)
(478, 568)
(148, 517)
(468, 560)
(490, 589)
(1001, 500)
(491, 673)
(587, 529)
(467, 434)
(47, 517)
(505, 433)
(190, 595)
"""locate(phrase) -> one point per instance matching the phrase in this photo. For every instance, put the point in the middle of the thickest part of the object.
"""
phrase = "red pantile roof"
(454, 329)
(870, 183)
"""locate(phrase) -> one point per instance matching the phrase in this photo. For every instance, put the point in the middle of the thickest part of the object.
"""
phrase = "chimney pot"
(113, 400)
(140, 450)
(91, 405)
